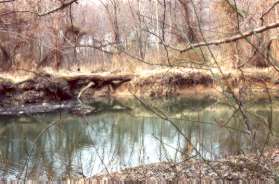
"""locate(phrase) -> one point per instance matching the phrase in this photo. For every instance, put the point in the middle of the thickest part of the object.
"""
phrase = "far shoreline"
(198, 84)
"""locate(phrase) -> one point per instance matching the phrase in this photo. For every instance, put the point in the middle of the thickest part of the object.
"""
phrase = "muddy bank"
(170, 83)
(245, 169)
(45, 88)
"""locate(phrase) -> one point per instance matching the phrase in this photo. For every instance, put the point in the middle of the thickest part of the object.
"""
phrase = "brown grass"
(169, 82)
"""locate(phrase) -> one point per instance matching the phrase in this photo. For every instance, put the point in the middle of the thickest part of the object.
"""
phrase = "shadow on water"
(114, 137)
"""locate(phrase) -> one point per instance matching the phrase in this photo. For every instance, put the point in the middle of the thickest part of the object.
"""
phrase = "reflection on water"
(113, 139)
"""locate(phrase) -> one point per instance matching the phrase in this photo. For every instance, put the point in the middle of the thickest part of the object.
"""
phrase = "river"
(59, 145)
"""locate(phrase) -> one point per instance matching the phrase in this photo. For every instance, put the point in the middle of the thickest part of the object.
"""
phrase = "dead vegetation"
(248, 168)
(115, 36)
(169, 83)
(46, 88)
(153, 83)
(248, 80)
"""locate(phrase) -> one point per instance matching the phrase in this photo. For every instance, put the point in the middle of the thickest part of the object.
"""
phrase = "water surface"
(54, 146)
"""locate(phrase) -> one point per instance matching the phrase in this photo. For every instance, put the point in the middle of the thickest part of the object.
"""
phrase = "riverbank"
(244, 168)
(46, 88)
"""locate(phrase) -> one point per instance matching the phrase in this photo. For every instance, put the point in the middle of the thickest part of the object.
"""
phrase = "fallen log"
(83, 90)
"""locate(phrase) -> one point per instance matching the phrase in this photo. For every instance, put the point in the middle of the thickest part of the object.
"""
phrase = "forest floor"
(45, 87)
(249, 168)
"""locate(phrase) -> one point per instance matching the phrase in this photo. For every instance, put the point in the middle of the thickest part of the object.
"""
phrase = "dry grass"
(167, 82)
(123, 64)
(16, 77)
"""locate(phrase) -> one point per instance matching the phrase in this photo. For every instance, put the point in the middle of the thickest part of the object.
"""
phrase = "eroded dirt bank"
(45, 88)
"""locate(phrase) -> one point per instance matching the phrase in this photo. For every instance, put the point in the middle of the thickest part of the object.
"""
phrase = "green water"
(61, 145)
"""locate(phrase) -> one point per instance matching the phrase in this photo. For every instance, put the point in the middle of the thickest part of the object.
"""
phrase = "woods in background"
(105, 34)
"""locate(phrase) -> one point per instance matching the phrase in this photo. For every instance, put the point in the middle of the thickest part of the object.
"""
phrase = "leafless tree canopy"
(70, 33)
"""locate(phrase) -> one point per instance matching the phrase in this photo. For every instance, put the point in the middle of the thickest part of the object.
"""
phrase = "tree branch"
(233, 38)
(235, 8)
(61, 7)
(6, 1)
(269, 9)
